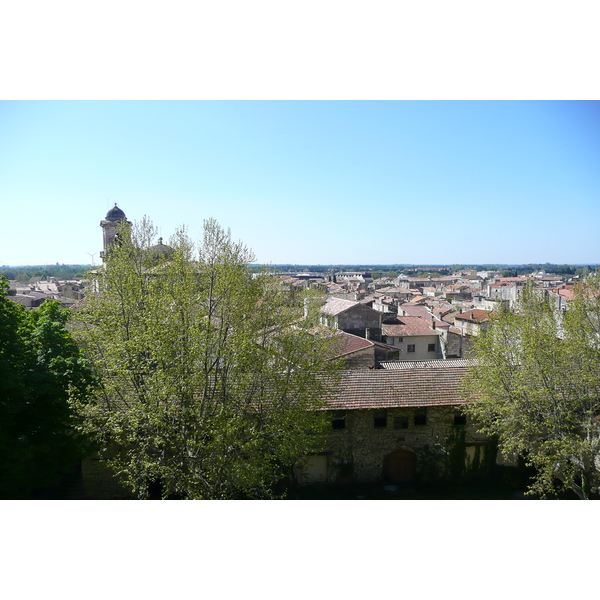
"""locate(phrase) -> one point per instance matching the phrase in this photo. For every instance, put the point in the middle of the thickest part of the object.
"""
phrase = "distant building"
(416, 338)
(352, 317)
(472, 322)
(109, 226)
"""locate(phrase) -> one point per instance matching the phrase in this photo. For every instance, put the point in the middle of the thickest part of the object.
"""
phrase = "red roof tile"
(398, 388)
(349, 343)
(415, 310)
(344, 343)
(476, 315)
(408, 326)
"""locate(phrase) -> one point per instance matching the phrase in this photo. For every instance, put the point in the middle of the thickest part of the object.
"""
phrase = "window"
(410, 348)
(431, 348)
(380, 418)
(459, 418)
(339, 419)
(420, 416)
(400, 422)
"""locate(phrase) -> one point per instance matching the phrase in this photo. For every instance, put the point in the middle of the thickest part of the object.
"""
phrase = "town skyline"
(350, 267)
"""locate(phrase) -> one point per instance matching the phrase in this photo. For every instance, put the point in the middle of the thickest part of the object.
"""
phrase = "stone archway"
(400, 466)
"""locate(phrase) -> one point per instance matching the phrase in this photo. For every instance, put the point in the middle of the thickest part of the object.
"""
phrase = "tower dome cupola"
(115, 214)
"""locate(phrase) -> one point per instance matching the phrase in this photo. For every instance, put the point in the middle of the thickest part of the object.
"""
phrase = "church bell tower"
(109, 227)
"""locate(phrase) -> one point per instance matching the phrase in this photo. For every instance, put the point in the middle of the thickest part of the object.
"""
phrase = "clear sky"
(308, 182)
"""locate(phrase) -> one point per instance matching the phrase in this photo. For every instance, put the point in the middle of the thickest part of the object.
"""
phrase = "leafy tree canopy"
(537, 387)
(40, 365)
(210, 380)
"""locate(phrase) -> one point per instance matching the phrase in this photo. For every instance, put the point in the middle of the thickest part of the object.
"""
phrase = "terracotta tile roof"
(439, 312)
(408, 326)
(398, 388)
(567, 293)
(458, 331)
(513, 279)
(335, 306)
(349, 343)
(449, 318)
(414, 310)
(476, 315)
(345, 343)
(384, 346)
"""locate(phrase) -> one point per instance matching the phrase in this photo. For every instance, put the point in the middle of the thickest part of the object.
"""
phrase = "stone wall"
(357, 452)
(361, 359)
(357, 319)
(455, 346)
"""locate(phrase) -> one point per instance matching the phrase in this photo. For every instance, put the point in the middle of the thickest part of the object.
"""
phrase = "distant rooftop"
(427, 364)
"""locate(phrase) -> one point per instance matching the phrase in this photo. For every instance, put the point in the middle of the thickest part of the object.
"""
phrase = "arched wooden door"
(400, 466)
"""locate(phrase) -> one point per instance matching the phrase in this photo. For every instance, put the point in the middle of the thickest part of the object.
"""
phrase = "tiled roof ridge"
(335, 306)
(384, 388)
(448, 363)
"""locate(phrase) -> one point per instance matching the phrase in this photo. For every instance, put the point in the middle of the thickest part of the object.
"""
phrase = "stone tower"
(109, 227)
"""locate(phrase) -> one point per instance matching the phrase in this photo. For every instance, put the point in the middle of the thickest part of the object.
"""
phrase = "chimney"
(367, 334)
(433, 325)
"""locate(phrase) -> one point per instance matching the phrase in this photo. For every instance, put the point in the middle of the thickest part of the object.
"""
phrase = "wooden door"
(400, 466)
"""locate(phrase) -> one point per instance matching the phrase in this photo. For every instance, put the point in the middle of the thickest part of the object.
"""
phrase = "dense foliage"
(40, 365)
(537, 387)
(209, 382)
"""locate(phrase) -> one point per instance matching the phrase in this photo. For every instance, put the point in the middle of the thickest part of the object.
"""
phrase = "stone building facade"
(398, 426)
(352, 317)
(472, 322)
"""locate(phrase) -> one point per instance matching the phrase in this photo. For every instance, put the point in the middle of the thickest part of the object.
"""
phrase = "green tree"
(40, 365)
(209, 381)
(537, 387)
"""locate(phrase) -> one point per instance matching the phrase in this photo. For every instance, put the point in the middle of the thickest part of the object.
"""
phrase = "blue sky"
(308, 182)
